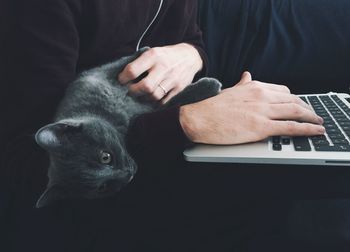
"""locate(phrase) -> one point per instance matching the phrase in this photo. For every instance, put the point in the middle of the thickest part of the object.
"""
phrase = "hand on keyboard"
(336, 116)
(248, 112)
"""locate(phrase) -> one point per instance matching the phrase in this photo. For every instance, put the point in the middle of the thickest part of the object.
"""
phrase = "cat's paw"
(200, 90)
(211, 85)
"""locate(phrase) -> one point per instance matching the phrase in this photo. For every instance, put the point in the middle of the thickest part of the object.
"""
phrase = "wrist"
(198, 62)
(188, 122)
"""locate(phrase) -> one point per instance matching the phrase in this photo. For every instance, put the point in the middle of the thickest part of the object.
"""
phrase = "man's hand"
(170, 69)
(248, 112)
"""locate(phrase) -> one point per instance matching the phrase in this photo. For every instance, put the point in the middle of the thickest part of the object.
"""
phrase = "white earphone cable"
(149, 26)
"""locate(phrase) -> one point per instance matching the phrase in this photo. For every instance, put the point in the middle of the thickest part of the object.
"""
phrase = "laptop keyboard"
(335, 114)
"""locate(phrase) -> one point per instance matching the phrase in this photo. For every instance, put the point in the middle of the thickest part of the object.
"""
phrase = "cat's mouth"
(114, 186)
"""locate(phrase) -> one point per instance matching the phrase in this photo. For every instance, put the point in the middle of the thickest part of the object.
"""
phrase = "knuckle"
(130, 70)
(308, 128)
(292, 127)
(255, 122)
(147, 87)
(268, 109)
(296, 110)
(255, 118)
(164, 66)
(258, 91)
(154, 52)
(155, 96)
(285, 88)
(265, 127)
(295, 98)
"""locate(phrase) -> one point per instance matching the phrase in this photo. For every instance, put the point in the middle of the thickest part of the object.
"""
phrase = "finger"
(162, 91)
(278, 97)
(172, 93)
(274, 97)
(147, 85)
(273, 87)
(134, 69)
(246, 77)
(292, 128)
(292, 111)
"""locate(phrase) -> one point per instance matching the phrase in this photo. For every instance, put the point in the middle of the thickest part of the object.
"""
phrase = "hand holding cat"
(170, 69)
(248, 112)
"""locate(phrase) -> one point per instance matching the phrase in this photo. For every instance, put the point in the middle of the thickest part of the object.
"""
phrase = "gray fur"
(91, 122)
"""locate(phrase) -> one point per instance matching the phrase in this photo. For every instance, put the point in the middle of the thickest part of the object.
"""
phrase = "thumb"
(246, 77)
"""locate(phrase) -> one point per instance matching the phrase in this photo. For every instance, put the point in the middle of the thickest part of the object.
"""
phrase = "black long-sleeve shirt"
(47, 42)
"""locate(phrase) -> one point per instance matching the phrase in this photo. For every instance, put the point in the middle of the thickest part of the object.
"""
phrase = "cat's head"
(88, 159)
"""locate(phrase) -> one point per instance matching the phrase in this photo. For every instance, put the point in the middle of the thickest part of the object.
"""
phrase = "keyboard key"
(277, 147)
(320, 137)
(336, 136)
(301, 144)
(322, 113)
(330, 126)
(336, 122)
(344, 123)
(333, 131)
(340, 141)
(276, 139)
(345, 148)
(320, 142)
(341, 104)
(342, 119)
(286, 141)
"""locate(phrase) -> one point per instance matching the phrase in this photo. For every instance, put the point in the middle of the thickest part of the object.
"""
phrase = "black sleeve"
(193, 36)
(38, 60)
(157, 136)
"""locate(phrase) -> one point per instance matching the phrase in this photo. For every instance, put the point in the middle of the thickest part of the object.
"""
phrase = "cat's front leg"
(198, 91)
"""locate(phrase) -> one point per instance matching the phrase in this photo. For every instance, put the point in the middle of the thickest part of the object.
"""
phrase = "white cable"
(149, 26)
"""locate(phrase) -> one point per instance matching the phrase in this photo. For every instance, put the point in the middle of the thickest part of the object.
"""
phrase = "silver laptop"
(333, 148)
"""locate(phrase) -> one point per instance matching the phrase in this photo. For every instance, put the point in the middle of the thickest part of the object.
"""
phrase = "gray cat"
(86, 142)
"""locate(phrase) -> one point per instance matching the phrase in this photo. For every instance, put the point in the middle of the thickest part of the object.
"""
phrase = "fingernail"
(320, 120)
(322, 130)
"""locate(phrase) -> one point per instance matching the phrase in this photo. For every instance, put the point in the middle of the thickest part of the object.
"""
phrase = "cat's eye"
(105, 157)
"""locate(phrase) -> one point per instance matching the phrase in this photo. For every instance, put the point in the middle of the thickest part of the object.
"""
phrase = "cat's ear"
(54, 135)
(52, 194)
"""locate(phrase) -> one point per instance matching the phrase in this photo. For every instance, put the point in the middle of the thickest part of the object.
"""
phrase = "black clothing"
(44, 45)
(49, 42)
(300, 44)
(170, 206)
